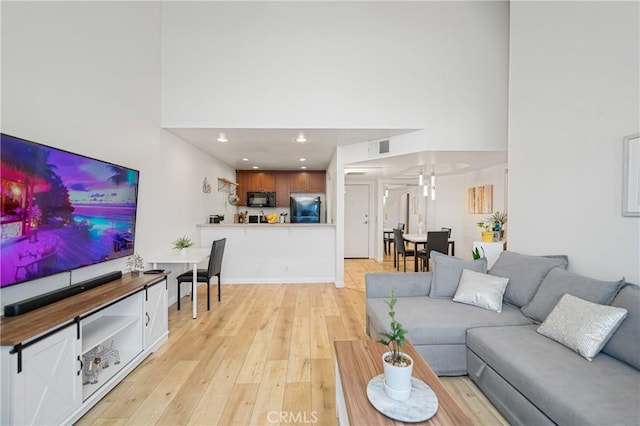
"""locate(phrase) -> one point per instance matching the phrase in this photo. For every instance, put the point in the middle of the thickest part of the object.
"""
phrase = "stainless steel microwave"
(261, 199)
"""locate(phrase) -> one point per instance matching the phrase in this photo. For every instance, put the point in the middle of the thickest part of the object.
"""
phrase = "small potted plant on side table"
(487, 233)
(398, 366)
(497, 221)
(182, 244)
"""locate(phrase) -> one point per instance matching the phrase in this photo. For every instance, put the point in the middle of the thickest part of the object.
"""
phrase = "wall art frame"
(631, 176)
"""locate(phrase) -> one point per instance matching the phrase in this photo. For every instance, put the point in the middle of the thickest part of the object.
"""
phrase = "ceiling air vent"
(378, 147)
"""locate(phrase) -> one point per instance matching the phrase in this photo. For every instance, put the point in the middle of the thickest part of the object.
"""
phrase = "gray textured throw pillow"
(625, 343)
(447, 271)
(525, 274)
(481, 290)
(559, 282)
(582, 326)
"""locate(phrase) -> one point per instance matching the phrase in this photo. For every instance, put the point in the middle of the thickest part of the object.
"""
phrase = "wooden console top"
(15, 330)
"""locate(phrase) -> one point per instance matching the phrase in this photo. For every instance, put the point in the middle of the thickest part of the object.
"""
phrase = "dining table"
(421, 239)
(191, 256)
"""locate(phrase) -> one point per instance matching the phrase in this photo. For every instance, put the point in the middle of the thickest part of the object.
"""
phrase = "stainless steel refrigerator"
(305, 209)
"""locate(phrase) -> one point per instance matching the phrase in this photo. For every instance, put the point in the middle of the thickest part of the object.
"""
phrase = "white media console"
(59, 360)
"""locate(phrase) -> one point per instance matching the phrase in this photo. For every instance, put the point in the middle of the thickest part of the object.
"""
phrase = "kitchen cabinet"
(241, 190)
(282, 182)
(250, 181)
(308, 182)
(262, 182)
(282, 189)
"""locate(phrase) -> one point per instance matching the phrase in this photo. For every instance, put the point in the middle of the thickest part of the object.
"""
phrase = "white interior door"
(356, 223)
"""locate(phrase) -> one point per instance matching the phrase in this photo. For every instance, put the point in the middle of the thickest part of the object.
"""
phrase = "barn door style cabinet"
(60, 360)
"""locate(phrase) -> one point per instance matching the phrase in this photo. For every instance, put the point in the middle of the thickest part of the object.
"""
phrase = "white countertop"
(268, 225)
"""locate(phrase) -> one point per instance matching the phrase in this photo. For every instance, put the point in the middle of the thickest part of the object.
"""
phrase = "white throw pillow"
(481, 290)
(582, 326)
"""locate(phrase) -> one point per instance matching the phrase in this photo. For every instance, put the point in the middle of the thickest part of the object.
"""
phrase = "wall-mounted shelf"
(225, 184)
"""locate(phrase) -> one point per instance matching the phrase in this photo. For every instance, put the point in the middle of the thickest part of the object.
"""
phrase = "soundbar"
(28, 305)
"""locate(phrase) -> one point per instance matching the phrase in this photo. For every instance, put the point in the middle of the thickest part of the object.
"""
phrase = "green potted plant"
(182, 244)
(487, 233)
(398, 366)
(476, 253)
(498, 221)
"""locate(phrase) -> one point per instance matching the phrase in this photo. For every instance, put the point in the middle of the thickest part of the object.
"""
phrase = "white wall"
(85, 77)
(438, 66)
(573, 95)
(449, 209)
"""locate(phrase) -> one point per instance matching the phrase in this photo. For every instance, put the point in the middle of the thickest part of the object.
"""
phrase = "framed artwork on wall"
(631, 176)
(480, 199)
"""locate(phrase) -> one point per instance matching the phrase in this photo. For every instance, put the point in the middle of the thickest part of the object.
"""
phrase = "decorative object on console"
(96, 359)
(398, 366)
(182, 244)
(135, 263)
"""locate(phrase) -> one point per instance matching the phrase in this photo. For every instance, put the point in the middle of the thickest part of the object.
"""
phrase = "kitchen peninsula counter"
(258, 253)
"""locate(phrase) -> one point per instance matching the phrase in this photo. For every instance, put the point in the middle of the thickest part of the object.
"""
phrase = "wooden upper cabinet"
(282, 183)
(282, 189)
(316, 181)
(249, 181)
(242, 178)
(308, 182)
(268, 183)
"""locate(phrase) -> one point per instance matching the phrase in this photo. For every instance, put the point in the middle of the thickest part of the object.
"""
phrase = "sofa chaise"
(545, 345)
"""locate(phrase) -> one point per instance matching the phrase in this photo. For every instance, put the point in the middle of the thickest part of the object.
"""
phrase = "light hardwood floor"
(264, 355)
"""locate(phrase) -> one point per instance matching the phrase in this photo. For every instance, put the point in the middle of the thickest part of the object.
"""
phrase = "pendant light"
(421, 178)
(433, 183)
(425, 191)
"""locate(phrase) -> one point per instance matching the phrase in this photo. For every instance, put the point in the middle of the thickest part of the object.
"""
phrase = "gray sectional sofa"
(531, 359)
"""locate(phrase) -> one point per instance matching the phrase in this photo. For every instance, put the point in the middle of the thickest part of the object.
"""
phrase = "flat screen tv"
(61, 211)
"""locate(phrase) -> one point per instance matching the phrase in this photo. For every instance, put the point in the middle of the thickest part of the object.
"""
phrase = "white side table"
(491, 250)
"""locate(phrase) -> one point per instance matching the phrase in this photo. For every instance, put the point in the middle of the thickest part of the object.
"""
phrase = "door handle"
(365, 222)
(81, 365)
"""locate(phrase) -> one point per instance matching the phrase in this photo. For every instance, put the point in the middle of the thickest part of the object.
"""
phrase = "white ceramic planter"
(397, 380)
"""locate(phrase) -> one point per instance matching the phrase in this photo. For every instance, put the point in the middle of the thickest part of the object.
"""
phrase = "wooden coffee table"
(358, 361)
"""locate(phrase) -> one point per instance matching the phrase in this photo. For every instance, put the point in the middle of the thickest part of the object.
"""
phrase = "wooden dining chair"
(436, 241)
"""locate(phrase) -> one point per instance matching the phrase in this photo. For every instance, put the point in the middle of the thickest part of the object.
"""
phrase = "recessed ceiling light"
(245, 159)
(303, 167)
(303, 159)
(301, 138)
(222, 138)
(255, 167)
